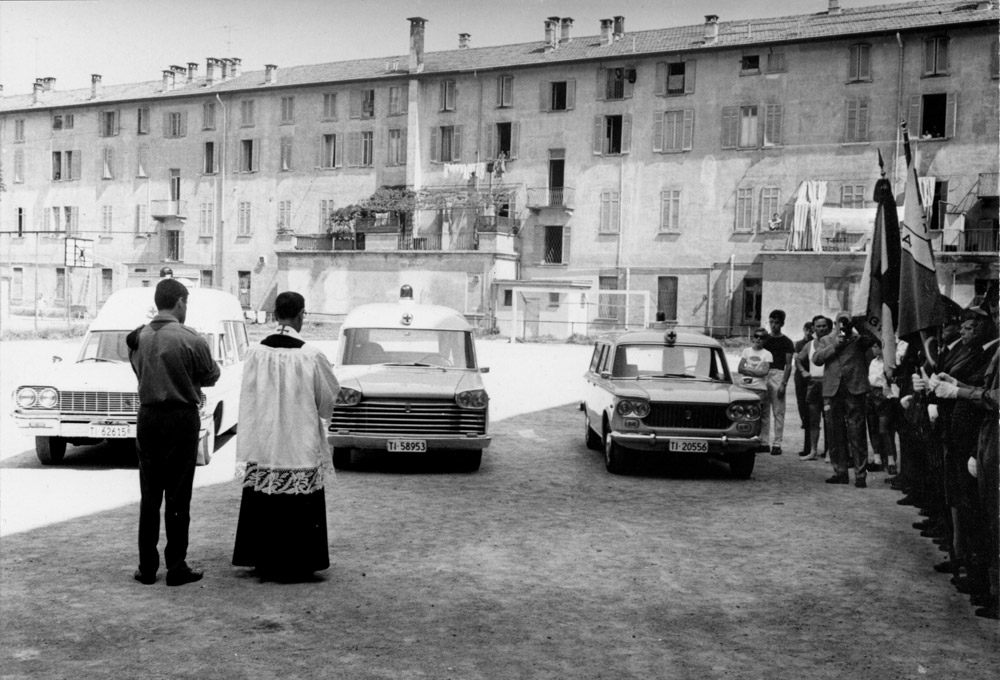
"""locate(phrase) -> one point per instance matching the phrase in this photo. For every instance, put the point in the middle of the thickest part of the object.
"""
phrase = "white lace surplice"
(285, 404)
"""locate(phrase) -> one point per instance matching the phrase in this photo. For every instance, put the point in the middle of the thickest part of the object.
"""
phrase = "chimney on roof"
(48, 83)
(834, 7)
(192, 71)
(234, 66)
(619, 28)
(270, 74)
(210, 64)
(168, 80)
(36, 93)
(550, 34)
(606, 31)
(95, 84)
(417, 28)
(566, 24)
(223, 68)
(711, 28)
(463, 41)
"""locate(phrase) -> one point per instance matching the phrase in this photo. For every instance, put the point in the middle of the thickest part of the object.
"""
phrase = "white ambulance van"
(96, 397)
(409, 383)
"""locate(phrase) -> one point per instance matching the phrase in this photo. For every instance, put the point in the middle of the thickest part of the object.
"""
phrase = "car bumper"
(657, 442)
(358, 441)
(97, 427)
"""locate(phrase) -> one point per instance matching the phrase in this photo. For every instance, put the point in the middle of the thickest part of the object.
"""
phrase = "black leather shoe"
(860, 483)
(775, 450)
(839, 479)
(947, 567)
(907, 500)
(924, 524)
(143, 578)
(182, 576)
(874, 467)
(991, 612)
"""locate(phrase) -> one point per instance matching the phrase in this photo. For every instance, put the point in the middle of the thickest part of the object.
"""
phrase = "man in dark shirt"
(801, 385)
(781, 348)
(173, 362)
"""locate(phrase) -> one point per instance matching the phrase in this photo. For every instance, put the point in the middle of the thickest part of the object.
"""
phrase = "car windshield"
(408, 346)
(104, 346)
(662, 361)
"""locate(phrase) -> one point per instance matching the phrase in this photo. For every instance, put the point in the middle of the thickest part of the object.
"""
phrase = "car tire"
(592, 438)
(614, 456)
(50, 450)
(741, 464)
(469, 461)
(342, 458)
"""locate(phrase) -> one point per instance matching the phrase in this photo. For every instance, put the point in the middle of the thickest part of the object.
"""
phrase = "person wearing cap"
(172, 362)
(845, 385)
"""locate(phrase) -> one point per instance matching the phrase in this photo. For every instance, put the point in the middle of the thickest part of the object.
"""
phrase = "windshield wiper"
(110, 361)
(669, 375)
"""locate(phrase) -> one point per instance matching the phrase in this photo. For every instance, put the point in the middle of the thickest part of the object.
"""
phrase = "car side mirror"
(56, 359)
(484, 369)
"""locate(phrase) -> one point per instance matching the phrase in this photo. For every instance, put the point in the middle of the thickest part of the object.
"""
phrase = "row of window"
(17, 284)
(749, 126)
(672, 77)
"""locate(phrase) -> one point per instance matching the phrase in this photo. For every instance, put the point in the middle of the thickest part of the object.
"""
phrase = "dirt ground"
(540, 565)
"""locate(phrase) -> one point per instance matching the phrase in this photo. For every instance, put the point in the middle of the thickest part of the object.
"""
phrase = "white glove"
(973, 470)
(906, 401)
(946, 390)
(932, 412)
(919, 384)
(934, 381)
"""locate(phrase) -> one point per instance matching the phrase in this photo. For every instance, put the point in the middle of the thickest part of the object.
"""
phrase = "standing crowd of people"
(944, 414)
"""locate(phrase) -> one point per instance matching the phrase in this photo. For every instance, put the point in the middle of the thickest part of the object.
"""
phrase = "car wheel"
(469, 461)
(50, 450)
(741, 464)
(592, 438)
(614, 456)
(342, 458)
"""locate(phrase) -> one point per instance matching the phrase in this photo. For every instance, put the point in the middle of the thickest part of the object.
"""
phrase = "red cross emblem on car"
(407, 319)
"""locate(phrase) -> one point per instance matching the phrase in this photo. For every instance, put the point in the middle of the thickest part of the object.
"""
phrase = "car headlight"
(48, 397)
(634, 407)
(477, 399)
(348, 397)
(744, 412)
(25, 397)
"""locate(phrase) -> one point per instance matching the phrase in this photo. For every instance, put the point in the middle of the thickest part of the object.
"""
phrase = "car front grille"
(409, 418)
(110, 403)
(688, 416)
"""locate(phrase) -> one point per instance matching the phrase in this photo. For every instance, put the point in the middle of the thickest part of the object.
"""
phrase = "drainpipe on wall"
(221, 220)
(729, 288)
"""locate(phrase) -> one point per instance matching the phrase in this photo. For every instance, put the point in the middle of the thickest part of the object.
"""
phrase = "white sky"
(130, 41)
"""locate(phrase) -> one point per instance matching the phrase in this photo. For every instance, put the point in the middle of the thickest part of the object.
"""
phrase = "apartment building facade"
(714, 170)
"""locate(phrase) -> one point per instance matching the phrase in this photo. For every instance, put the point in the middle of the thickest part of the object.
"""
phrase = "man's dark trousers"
(167, 444)
(847, 418)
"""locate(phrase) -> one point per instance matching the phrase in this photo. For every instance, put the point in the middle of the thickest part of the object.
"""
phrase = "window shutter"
(490, 136)
(772, 115)
(913, 123)
(508, 99)
(730, 126)
(355, 104)
(852, 63)
(435, 146)
(602, 81)
(942, 55)
(184, 123)
(660, 88)
(443, 96)
(629, 85)
(456, 146)
(215, 158)
(687, 142)
(950, 117)
(851, 125)
(689, 76)
(118, 121)
(544, 96)
(402, 146)
(338, 150)
(565, 250)
(515, 138)
(658, 131)
(318, 155)
(865, 62)
(75, 164)
(255, 155)
(100, 124)
(605, 223)
(571, 93)
(353, 149)
(539, 245)
(112, 165)
(928, 56)
(166, 124)
(862, 135)
(598, 135)
(500, 91)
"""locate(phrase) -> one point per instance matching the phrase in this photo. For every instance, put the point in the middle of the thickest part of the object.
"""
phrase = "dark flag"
(920, 309)
(881, 275)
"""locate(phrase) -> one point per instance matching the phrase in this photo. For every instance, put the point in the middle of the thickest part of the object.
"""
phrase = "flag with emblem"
(920, 309)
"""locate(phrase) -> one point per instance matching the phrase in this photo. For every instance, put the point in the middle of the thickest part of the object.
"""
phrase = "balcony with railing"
(497, 224)
(550, 197)
(966, 241)
(163, 209)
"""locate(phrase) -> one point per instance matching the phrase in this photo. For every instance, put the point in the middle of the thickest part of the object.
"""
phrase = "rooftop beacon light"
(406, 293)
